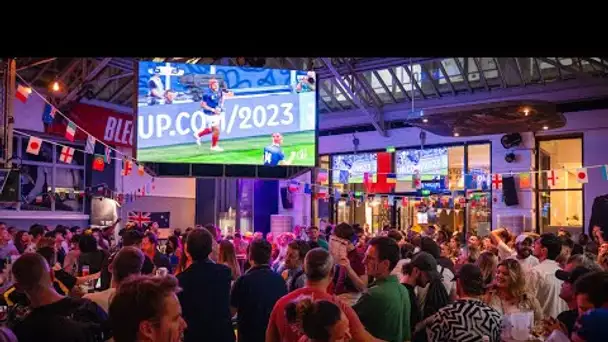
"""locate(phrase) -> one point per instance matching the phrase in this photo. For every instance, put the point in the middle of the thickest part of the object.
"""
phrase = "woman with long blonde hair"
(508, 293)
(227, 256)
(487, 263)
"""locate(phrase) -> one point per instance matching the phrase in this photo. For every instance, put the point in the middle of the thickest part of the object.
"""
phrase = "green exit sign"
(390, 149)
(425, 192)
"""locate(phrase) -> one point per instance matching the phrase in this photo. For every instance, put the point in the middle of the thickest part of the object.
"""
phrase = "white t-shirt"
(545, 285)
(528, 263)
(102, 298)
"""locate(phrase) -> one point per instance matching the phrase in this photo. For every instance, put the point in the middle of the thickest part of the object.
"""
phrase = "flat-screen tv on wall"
(356, 164)
(430, 163)
(212, 114)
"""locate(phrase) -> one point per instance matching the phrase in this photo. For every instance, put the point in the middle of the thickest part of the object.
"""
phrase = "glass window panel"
(451, 68)
(36, 187)
(560, 209)
(563, 156)
(386, 77)
(479, 157)
(456, 167)
(68, 180)
(12, 184)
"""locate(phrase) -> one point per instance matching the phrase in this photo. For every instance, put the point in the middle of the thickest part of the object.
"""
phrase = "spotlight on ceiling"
(425, 120)
(456, 134)
(545, 127)
(55, 86)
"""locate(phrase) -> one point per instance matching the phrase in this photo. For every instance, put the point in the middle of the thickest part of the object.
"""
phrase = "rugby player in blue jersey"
(212, 103)
(273, 153)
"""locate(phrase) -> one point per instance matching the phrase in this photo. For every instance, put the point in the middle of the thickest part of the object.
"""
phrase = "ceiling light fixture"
(456, 134)
(545, 127)
(425, 120)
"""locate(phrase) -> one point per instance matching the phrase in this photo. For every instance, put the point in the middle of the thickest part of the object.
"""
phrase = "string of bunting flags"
(98, 164)
(320, 189)
(49, 114)
(472, 182)
(66, 155)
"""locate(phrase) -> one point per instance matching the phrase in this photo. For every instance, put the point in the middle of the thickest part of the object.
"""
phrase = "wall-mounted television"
(212, 114)
(430, 163)
(356, 164)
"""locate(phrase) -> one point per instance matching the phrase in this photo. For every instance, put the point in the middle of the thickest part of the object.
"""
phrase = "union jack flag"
(139, 218)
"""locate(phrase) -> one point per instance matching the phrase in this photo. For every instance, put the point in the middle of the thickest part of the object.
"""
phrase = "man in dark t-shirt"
(149, 246)
(255, 293)
(52, 316)
(63, 282)
(130, 237)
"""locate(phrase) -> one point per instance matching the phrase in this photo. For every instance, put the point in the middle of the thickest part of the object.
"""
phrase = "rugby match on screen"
(211, 114)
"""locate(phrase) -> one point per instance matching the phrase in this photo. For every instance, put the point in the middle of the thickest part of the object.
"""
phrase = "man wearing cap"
(421, 272)
(385, 309)
(442, 267)
(468, 318)
(523, 252)
(569, 277)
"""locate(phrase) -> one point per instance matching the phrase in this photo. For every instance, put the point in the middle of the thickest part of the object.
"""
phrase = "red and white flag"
(67, 154)
(34, 145)
(497, 181)
(127, 166)
(23, 93)
(552, 178)
(582, 176)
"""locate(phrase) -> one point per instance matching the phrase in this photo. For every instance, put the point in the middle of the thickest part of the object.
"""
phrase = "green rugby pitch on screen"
(242, 151)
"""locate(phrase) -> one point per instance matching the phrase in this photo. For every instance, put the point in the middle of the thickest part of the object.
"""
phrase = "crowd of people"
(337, 283)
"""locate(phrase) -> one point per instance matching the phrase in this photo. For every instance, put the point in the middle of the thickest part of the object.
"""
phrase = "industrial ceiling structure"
(367, 86)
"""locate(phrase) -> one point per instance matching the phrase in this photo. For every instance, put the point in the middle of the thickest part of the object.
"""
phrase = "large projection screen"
(211, 114)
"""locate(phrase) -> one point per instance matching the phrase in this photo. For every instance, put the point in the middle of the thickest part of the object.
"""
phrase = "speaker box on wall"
(509, 192)
(286, 199)
(511, 140)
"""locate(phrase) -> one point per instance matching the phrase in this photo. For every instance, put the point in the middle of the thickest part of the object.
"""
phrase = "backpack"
(436, 298)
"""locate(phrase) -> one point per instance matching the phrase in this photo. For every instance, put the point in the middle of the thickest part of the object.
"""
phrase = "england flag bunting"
(67, 154)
